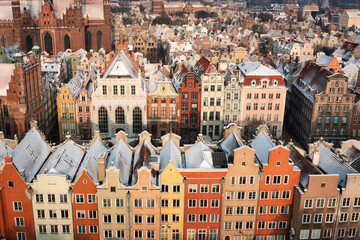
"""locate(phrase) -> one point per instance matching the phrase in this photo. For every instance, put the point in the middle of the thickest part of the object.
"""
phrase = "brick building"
(22, 96)
(57, 25)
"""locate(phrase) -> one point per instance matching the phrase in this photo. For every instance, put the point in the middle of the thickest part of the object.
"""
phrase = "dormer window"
(253, 83)
(264, 84)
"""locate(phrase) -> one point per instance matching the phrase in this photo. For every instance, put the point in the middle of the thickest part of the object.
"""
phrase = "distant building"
(350, 17)
(56, 25)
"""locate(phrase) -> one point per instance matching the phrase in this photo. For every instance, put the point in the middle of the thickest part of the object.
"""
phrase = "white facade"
(52, 207)
(121, 92)
(212, 99)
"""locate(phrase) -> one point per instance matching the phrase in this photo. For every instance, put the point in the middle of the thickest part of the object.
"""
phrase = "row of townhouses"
(196, 191)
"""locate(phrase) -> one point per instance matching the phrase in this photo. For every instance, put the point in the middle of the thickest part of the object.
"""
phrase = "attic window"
(112, 189)
(144, 189)
(11, 184)
(31, 152)
(275, 83)
(243, 164)
(253, 83)
(278, 163)
(323, 184)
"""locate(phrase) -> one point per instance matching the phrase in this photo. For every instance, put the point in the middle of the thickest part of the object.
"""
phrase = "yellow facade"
(170, 180)
(66, 114)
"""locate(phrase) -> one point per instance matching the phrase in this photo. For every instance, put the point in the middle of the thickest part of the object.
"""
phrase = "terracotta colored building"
(279, 177)
(189, 105)
(203, 192)
(355, 121)
(22, 98)
(57, 25)
(83, 112)
(16, 218)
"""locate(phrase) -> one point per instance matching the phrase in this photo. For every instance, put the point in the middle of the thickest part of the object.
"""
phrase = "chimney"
(8, 159)
(101, 167)
(316, 158)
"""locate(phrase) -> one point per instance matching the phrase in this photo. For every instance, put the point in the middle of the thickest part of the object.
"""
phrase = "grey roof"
(229, 144)
(30, 154)
(4, 150)
(330, 163)
(219, 159)
(170, 152)
(90, 162)
(65, 160)
(199, 156)
(120, 158)
(76, 83)
(306, 167)
(262, 145)
(137, 155)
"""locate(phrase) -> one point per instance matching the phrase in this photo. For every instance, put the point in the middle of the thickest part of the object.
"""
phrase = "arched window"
(3, 41)
(103, 120)
(137, 120)
(67, 44)
(88, 43)
(48, 43)
(99, 39)
(29, 43)
(119, 115)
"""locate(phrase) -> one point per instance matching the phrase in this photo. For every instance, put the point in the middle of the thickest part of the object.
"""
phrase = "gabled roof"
(306, 167)
(90, 162)
(199, 156)
(257, 69)
(262, 145)
(76, 83)
(170, 152)
(120, 158)
(65, 160)
(330, 163)
(31, 153)
(122, 66)
(230, 143)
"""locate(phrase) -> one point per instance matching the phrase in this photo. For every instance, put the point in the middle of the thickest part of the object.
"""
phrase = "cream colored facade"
(240, 193)
(212, 99)
(121, 87)
(52, 207)
(172, 180)
(350, 18)
(113, 205)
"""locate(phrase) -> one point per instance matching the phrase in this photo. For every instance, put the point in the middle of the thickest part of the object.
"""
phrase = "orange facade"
(276, 194)
(203, 191)
(85, 202)
(16, 215)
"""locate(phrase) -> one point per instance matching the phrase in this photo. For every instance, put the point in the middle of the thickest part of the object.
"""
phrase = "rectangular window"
(133, 90)
(54, 229)
(115, 90)
(138, 203)
(192, 188)
(138, 219)
(106, 203)
(19, 222)
(39, 198)
(79, 198)
(150, 203)
(17, 206)
(92, 214)
(51, 198)
(104, 90)
(308, 203)
(42, 228)
(204, 188)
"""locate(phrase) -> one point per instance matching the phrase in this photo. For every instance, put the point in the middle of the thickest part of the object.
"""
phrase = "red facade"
(16, 214)
(83, 105)
(201, 218)
(278, 183)
(190, 106)
(84, 186)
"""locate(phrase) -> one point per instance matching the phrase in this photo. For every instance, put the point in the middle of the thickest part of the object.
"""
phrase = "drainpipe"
(128, 196)
(337, 215)
(184, 217)
(222, 181)
(260, 175)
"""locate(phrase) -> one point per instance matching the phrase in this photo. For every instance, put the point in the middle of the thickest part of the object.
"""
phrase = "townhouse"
(279, 178)
(263, 97)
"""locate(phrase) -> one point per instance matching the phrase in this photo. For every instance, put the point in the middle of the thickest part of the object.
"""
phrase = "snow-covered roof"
(90, 162)
(76, 83)
(257, 69)
(230, 143)
(199, 156)
(170, 152)
(122, 67)
(262, 145)
(330, 163)
(120, 158)
(30, 154)
(65, 160)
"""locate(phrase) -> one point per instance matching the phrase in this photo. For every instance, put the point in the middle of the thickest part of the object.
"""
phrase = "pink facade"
(263, 102)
